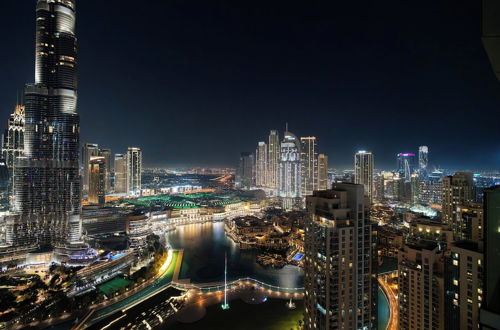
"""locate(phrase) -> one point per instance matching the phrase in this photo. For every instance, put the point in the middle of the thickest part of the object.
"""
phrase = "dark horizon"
(196, 84)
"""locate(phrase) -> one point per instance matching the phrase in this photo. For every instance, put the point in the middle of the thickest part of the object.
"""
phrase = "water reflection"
(204, 248)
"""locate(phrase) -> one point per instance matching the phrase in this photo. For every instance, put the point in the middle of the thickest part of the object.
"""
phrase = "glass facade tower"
(47, 181)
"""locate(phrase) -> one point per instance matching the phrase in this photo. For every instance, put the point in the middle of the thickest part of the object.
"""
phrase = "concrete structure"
(309, 164)
(406, 165)
(13, 142)
(363, 172)
(120, 174)
(245, 173)
(457, 190)
(290, 177)
(138, 231)
(97, 180)
(108, 165)
(273, 159)
(463, 284)
(134, 170)
(469, 223)
(322, 172)
(261, 165)
(421, 286)
(338, 277)
(423, 158)
(89, 150)
(47, 178)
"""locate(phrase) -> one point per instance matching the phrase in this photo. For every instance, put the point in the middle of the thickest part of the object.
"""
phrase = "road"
(393, 303)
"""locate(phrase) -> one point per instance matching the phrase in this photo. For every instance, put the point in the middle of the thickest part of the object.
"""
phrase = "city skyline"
(250, 86)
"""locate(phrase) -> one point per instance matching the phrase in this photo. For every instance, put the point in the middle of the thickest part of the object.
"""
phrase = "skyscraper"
(406, 165)
(13, 141)
(290, 178)
(261, 165)
(309, 164)
(457, 190)
(464, 264)
(423, 158)
(120, 174)
(97, 180)
(363, 172)
(89, 150)
(322, 172)
(273, 159)
(47, 181)
(421, 285)
(106, 153)
(338, 260)
(134, 170)
(245, 174)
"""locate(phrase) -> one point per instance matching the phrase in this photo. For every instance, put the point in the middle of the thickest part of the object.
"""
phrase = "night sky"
(197, 82)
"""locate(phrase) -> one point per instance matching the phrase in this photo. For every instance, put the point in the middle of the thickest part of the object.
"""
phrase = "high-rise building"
(421, 285)
(338, 277)
(309, 164)
(431, 189)
(245, 174)
(13, 141)
(47, 181)
(106, 153)
(363, 171)
(458, 189)
(290, 178)
(469, 223)
(406, 165)
(423, 158)
(273, 159)
(464, 264)
(322, 172)
(89, 150)
(134, 170)
(97, 180)
(490, 309)
(261, 165)
(120, 174)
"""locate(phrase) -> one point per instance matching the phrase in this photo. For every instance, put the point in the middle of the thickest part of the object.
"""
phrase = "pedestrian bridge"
(239, 283)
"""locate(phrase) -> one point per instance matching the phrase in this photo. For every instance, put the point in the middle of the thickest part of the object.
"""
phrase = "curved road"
(393, 303)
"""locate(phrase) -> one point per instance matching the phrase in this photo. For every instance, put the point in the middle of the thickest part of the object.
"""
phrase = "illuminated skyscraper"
(273, 159)
(106, 153)
(338, 278)
(13, 141)
(363, 171)
(309, 164)
(134, 170)
(464, 270)
(97, 180)
(406, 165)
(290, 178)
(261, 165)
(458, 189)
(120, 174)
(245, 173)
(322, 172)
(423, 158)
(47, 181)
(89, 150)
(421, 285)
